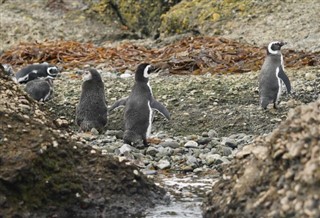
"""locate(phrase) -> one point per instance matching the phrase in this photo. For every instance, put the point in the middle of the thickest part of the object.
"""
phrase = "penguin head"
(52, 71)
(143, 72)
(274, 47)
(91, 75)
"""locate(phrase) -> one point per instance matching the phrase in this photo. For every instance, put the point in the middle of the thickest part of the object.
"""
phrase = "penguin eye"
(86, 76)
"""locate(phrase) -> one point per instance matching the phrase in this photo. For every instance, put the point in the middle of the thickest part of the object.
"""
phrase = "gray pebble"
(191, 144)
(163, 164)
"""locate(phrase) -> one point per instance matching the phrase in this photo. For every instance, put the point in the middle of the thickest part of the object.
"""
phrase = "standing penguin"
(139, 107)
(40, 89)
(91, 112)
(34, 71)
(272, 75)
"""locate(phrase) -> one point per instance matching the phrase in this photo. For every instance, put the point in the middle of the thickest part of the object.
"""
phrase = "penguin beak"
(282, 43)
(151, 69)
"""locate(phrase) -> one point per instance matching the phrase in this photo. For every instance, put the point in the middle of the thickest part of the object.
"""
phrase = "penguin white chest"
(149, 121)
(279, 84)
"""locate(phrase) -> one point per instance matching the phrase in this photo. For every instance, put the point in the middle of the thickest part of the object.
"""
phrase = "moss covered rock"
(200, 15)
(141, 17)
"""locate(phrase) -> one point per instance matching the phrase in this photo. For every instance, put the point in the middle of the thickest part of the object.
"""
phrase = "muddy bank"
(277, 175)
(45, 173)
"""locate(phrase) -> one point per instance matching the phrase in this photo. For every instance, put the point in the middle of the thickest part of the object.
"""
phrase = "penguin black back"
(34, 71)
(40, 89)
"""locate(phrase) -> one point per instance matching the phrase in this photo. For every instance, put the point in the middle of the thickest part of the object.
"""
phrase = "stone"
(204, 140)
(212, 133)
(191, 144)
(125, 148)
(213, 159)
(224, 150)
(192, 161)
(163, 164)
(170, 143)
(229, 142)
(152, 151)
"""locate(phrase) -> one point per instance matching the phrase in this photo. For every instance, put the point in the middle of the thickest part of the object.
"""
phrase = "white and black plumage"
(8, 70)
(272, 75)
(34, 71)
(91, 112)
(40, 89)
(139, 107)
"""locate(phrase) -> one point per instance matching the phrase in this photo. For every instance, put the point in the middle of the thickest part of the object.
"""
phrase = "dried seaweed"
(191, 55)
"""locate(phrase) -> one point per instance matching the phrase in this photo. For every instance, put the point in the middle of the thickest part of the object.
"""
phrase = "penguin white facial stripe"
(25, 78)
(52, 68)
(270, 49)
(150, 120)
(145, 71)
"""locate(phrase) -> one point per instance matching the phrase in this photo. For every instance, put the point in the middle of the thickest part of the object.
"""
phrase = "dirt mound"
(276, 176)
(44, 173)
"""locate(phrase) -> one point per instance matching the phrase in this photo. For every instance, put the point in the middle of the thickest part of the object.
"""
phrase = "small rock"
(170, 143)
(163, 164)
(204, 140)
(213, 159)
(152, 151)
(192, 161)
(94, 131)
(229, 142)
(224, 150)
(212, 133)
(125, 148)
(191, 144)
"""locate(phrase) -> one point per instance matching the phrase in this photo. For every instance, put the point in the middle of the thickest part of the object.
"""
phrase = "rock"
(224, 150)
(192, 161)
(170, 143)
(152, 151)
(163, 164)
(94, 131)
(213, 159)
(229, 142)
(204, 141)
(212, 133)
(125, 148)
(191, 144)
(164, 151)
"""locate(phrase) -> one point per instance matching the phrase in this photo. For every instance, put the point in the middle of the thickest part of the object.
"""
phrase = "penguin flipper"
(285, 79)
(120, 103)
(160, 108)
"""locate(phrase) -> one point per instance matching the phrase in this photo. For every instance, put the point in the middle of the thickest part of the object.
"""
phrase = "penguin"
(34, 71)
(91, 112)
(8, 70)
(139, 106)
(40, 89)
(272, 76)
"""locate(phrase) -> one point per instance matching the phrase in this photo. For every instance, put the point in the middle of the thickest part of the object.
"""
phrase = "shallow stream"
(186, 193)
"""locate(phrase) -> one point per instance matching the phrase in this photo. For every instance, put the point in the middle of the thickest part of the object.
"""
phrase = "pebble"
(163, 164)
(191, 144)
(170, 143)
(125, 148)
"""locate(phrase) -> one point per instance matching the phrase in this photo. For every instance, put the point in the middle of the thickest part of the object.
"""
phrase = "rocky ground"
(44, 172)
(210, 119)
